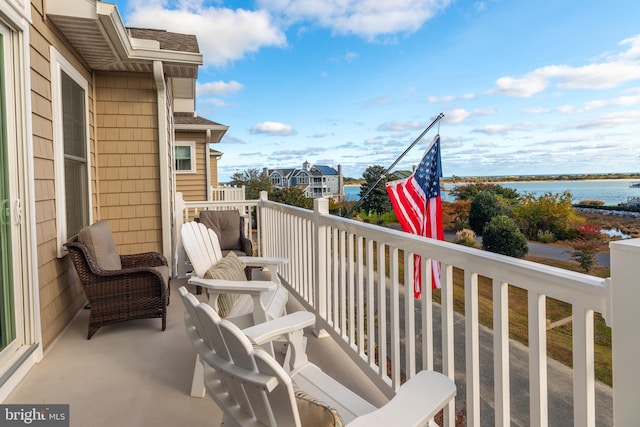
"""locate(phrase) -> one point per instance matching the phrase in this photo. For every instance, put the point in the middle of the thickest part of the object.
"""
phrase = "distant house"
(396, 175)
(315, 180)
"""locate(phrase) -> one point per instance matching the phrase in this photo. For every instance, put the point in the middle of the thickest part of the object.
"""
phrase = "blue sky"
(527, 87)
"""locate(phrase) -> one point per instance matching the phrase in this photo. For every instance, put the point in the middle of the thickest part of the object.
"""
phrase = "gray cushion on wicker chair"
(99, 241)
(228, 225)
(118, 287)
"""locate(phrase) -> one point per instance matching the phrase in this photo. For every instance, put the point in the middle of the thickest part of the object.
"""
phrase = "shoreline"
(506, 181)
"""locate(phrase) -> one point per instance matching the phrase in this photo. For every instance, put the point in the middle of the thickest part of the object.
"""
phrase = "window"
(71, 139)
(185, 155)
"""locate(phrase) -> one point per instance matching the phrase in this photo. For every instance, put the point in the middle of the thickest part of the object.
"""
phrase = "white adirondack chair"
(252, 389)
(259, 300)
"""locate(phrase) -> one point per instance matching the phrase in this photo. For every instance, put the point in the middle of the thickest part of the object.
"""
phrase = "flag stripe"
(418, 206)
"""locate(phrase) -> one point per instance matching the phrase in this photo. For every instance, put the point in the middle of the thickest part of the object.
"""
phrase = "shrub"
(553, 212)
(546, 236)
(585, 253)
(587, 246)
(484, 206)
(455, 215)
(466, 237)
(501, 235)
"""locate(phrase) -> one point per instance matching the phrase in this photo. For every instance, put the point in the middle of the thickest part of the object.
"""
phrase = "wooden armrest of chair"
(417, 401)
(257, 261)
(224, 286)
(268, 331)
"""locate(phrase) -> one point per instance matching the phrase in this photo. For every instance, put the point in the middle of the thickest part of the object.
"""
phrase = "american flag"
(417, 203)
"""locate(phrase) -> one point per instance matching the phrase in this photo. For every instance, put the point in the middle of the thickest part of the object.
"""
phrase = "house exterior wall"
(60, 293)
(213, 165)
(128, 190)
(193, 186)
(124, 168)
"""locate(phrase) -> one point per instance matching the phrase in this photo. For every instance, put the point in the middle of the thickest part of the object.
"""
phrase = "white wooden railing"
(187, 211)
(227, 193)
(349, 274)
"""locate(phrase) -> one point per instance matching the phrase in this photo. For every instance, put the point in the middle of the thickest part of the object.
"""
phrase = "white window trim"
(58, 64)
(192, 147)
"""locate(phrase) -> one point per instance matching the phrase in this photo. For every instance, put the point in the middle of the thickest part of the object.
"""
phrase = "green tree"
(378, 200)
(254, 182)
(470, 191)
(485, 205)
(293, 196)
(548, 212)
(501, 235)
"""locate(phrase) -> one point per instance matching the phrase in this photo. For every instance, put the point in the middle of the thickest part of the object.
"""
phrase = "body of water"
(611, 192)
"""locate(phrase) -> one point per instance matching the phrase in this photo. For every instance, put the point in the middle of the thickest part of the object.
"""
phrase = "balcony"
(350, 275)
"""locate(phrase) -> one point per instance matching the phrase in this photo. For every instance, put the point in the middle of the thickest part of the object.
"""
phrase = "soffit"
(97, 32)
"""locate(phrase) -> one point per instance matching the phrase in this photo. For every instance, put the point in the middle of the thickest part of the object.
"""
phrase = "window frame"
(192, 151)
(60, 64)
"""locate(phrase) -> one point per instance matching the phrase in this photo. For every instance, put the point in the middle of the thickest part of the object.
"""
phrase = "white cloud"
(566, 109)
(523, 87)
(633, 53)
(535, 110)
(614, 71)
(621, 101)
(456, 116)
(611, 120)
(224, 35)
(364, 18)
(218, 88)
(450, 98)
(460, 115)
(350, 56)
(437, 99)
(401, 126)
(497, 129)
(273, 128)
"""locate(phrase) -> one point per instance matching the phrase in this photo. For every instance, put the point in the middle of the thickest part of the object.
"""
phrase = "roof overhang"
(97, 32)
(215, 132)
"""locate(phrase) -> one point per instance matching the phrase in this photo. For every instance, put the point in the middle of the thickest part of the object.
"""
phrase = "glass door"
(7, 311)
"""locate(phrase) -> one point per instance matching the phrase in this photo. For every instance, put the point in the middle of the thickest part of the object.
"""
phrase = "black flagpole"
(433, 123)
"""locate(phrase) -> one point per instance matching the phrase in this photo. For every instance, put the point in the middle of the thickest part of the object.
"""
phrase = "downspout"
(207, 164)
(163, 152)
(95, 154)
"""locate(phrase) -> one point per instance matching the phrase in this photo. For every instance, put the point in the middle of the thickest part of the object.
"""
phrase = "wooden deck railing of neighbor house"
(351, 273)
(227, 193)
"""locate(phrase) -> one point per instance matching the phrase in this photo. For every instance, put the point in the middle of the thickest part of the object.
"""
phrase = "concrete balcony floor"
(133, 374)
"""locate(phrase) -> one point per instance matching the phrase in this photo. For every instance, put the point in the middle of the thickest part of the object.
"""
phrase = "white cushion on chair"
(99, 241)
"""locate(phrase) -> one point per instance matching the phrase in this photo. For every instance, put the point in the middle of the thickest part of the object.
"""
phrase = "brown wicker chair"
(138, 290)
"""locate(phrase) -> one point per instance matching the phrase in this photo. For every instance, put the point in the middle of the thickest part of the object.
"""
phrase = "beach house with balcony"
(314, 180)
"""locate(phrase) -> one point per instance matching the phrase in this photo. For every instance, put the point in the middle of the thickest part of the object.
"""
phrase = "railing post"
(260, 218)
(320, 207)
(624, 321)
(179, 255)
